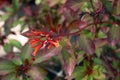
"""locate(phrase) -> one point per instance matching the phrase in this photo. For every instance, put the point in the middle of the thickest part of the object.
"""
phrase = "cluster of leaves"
(85, 35)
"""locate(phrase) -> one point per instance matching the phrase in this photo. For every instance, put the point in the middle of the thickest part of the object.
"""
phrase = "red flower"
(39, 39)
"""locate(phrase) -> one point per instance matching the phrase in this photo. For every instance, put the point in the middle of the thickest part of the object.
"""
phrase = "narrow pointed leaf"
(26, 52)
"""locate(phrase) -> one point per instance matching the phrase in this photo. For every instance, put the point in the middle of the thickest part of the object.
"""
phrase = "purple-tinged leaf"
(49, 55)
(81, 24)
(70, 3)
(105, 17)
(27, 11)
(87, 45)
(93, 29)
(67, 14)
(9, 56)
(114, 35)
(104, 29)
(53, 53)
(67, 46)
(70, 65)
(101, 42)
(115, 3)
(35, 74)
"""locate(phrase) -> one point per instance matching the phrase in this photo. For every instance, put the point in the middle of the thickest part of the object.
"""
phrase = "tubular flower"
(39, 39)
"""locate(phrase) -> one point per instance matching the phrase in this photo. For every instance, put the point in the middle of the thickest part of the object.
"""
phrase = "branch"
(74, 33)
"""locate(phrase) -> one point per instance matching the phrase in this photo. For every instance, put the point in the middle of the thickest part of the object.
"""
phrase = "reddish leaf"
(2, 2)
(115, 3)
(53, 53)
(70, 65)
(35, 74)
(81, 24)
(104, 29)
(27, 11)
(67, 14)
(101, 42)
(93, 29)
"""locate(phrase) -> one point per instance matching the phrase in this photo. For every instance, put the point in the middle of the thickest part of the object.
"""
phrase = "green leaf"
(97, 61)
(87, 45)
(6, 67)
(116, 64)
(7, 47)
(108, 5)
(15, 4)
(98, 52)
(15, 23)
(37, 2)
(26, 52)
(101, 34)
(9, 9)
(67, 48)
(5, 64)
(17, 61)
(46, 78)
(114, 35)
(81, 58)
(22, 26)
(90, 78)
(5, 17)
(117, 78)
(16, 43)
(118, 55)
(11, 76)
(79, 72)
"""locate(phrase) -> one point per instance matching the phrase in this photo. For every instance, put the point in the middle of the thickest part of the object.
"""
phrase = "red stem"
(69, 34)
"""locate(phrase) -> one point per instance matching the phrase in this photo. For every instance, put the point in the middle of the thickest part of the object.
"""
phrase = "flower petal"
(37, 49)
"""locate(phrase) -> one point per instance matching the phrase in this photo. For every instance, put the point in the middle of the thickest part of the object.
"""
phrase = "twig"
(88, 26)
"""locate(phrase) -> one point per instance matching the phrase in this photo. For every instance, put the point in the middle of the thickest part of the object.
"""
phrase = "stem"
(74, 33)
(92, 4)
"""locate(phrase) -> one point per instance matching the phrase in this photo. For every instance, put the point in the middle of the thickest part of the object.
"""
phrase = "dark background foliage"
(88, 34)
